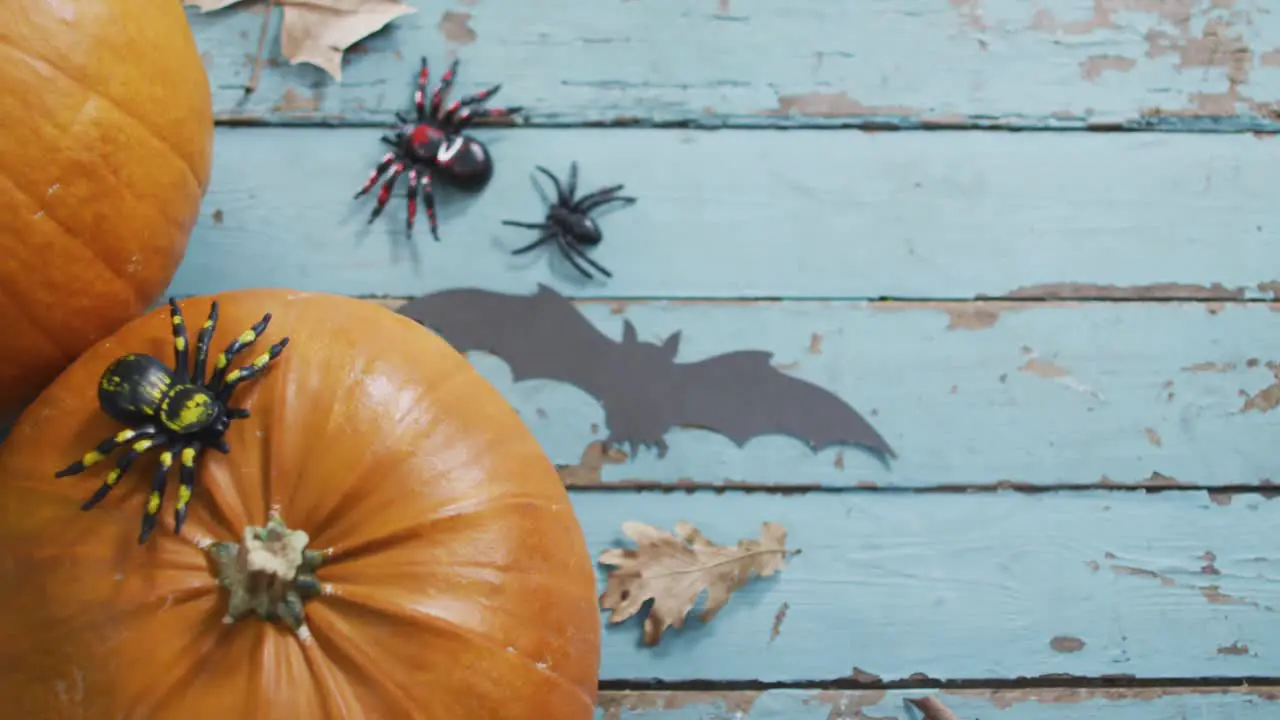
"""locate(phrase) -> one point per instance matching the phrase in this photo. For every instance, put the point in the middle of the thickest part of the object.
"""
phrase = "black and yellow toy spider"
(165, 409)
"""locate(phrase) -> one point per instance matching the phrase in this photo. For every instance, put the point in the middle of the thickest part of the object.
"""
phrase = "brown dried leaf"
(673, 570)
(320, 31)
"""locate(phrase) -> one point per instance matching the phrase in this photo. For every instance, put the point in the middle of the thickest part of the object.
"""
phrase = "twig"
(262, 44)
(933, 709)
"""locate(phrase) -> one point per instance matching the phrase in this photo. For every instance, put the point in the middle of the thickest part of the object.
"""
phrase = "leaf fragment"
(673, 570)
(320, 31)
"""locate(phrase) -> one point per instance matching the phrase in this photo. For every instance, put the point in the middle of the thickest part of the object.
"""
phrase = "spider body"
(433, 145)
(582, 229)
(174, 411)
(568, 223)
(136, 389)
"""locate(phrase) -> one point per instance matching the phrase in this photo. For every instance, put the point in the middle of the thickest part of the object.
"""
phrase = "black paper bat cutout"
(644, 391)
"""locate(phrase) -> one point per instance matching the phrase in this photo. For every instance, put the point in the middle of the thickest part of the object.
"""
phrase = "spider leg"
(582, 254)
(463, 119)
(187, 455)
(601, 202)
(561, 198)
(105, 448)
(548, 235)
(577, 205)
(568, 254)
(237, 413)
(571, 185)
(224, 358)
(420, 93)
(202, 342)
(531, 226)
(442, 90)
(384, 194)
(412, 197)
(179, 342)
(156, 497)
(451, 113)
(251, 370)
(122, 466)
(429, 201)
(383, 164)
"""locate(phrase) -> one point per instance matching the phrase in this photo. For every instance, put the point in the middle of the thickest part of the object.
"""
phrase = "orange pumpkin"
(106, 139)
(454, 579)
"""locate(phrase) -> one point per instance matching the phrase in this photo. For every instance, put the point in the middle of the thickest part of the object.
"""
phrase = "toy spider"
(568, 225)
(171, 410)
(433, 144)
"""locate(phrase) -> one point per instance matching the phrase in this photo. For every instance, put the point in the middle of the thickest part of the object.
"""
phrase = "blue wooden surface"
(813, 213)
(1051, 704)
(1174, 65)
(969, 586)
(892, 583)
(968, 394)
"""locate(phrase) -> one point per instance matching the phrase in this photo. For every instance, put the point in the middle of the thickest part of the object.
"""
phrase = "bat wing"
(539, 336)
(741, 396)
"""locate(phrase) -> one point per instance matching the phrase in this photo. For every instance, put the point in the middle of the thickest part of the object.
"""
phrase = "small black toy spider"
(180, 413)
(568, 225)
(433, 143)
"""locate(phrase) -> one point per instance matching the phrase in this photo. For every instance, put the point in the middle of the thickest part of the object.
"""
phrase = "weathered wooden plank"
(1037, 394)
(807, 213)
(1000, 585)
(1201, 703)
(1195, 64)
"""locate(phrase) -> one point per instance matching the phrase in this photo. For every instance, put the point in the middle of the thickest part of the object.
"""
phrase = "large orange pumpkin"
(106, 138)
(456, 582)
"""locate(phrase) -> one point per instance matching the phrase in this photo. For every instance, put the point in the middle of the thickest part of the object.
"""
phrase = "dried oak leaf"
(673, 570)
(319, 31)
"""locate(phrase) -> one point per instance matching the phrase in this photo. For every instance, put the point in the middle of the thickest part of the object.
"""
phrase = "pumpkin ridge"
(408, 614)
(333, 632)
(69, 235)
(176, 224)
(34, 326)
(416, 531)
(168, 145)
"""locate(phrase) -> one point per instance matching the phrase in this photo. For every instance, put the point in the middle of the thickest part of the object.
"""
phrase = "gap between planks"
(1262, 127)
(1038, 702)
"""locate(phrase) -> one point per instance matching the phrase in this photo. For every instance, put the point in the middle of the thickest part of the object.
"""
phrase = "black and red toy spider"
(433, 144)
(568, 223)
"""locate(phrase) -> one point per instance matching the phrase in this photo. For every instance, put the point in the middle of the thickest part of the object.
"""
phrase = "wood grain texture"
(812, 214)
(1200, 703)
(1005, 585)
(970, 394)
(1208, 65)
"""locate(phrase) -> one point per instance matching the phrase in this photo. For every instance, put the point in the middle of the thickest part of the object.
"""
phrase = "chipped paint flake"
(589, 470)
(1050, 370)
(815, 344)
(837, 104)
(1207, 366)
(1066, 644)
(1212, 594)
(456, 27)
(1235, 648)
(970, 12)
(294, 101)
(778, 618)
(1153, 437)
(1266, 399)
(1092, 67)
(1153, 291)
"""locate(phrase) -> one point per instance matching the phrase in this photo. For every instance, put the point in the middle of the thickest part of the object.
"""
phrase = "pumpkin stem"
(270, 574)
